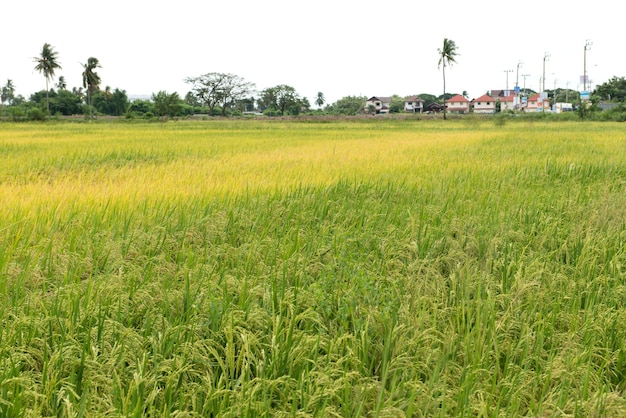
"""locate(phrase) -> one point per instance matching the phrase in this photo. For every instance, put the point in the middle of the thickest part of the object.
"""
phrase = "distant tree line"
(216, 94)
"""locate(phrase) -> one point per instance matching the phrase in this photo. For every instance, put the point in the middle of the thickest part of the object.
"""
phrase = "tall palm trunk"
(47, 96)
(444, 92)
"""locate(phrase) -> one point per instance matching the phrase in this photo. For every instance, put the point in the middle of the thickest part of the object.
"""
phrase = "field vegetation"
(382, 268)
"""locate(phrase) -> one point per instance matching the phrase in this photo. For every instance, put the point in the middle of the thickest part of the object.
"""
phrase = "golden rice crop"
(310, 268)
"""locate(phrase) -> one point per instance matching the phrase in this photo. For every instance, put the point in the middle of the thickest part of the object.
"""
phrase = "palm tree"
(320, 99)
(46, 64)
(7, 92)
(62, 84)
(91, 80)
(447, 56)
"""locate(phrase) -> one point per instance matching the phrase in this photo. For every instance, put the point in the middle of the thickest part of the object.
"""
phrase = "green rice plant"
(286, 268)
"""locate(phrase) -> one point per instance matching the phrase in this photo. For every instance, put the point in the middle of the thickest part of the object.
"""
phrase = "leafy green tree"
(39, 98)
(447, 57)
(320, 99)
(192, 100)
(114, 103)
(613, 90)
(91, 79)
(567, 96)
(447, 96)
(66, 103)
(279, 98)
(142, 107)
(348, 105)
(167, 104)
(397, 104)
(219, 90)
(428, 98)
(47, 64)
(246, 104)
(303, 104)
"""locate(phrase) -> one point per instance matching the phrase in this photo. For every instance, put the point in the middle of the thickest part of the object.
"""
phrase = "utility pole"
(546, 57)
(543, 81)
(519, 64)
(525, 75)
(555, 80)
(507, 78)
(588, 44)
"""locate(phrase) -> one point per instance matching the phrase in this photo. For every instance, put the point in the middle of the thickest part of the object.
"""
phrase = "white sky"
(338, 47)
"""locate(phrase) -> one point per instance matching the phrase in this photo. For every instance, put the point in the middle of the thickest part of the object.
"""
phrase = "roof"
(457, 99)
(432, 106)
(500, 93)
(413, 99)
(484, 98)
(380, 98)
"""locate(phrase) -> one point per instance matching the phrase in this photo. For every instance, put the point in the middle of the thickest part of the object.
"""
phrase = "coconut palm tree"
(61, 84)
(47, 63)
(320, 100)
(447, 56)
(7, 92)
(91, 79)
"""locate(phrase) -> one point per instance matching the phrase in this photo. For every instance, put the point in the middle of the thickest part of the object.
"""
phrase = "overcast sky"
(338, 47)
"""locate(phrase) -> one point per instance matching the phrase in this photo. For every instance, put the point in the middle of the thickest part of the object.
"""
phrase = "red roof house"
(457, 104)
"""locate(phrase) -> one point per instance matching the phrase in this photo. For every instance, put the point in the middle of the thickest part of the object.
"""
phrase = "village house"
(413, 104)
(377, 105)
(507, 102)
(505, 99)
(535, 104)
(433, 107)
(484, 104)
(458, 104)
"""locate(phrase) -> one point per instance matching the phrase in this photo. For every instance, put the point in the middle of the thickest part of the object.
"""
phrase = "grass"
(352, 268)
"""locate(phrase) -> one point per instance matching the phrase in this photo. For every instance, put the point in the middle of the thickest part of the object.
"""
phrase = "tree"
(613, 90)
(47, 64)
(114, 103)
(61, 84)
(66, 103)
(219, 89)
(7, 93)
(447, 57)
(167, 104)
(348, 105)
(320, 100)
(142, 107)
(192, 100)
(279, 98)
(303, 105)
(91, 79)
(396, 105)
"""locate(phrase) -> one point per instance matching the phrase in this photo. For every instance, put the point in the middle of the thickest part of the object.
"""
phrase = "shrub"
(36, 114)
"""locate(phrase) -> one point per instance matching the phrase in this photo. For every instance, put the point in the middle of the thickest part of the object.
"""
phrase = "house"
(500, 93)
(535, 104)
(457, 104)
(506, 99)
(377, 104)
(433, 107)
(484, 104)
(507, 102)
(413, 104)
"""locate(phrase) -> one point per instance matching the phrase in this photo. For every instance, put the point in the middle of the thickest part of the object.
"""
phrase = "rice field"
(376, 268)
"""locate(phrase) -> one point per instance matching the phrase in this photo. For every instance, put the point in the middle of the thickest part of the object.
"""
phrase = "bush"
(36, 114)
(16, 113)
(271, 112)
